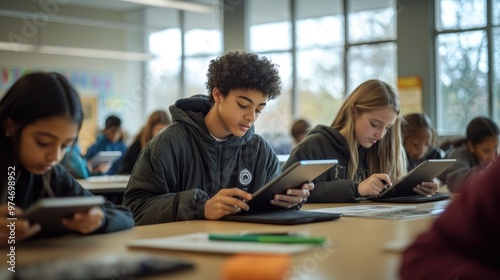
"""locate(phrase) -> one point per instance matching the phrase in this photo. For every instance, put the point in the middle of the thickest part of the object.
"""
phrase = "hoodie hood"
(192, 110)
(334, 137)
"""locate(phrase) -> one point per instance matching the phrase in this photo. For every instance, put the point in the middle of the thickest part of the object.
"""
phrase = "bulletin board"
(410, 94)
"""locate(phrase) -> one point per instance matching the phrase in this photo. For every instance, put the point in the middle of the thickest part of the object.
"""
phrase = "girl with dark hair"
(478, 150)
(419, 140)
(40, 116)
(157, 121)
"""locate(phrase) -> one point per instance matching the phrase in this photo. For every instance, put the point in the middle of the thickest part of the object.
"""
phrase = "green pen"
(268, 238)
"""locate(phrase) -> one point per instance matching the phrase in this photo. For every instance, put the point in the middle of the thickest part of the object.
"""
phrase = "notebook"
(283, 217)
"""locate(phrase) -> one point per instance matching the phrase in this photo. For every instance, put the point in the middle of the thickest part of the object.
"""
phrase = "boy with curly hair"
(209, 161)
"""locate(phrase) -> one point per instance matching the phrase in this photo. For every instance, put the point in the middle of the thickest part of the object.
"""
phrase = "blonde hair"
(146, 133)
(387, 155)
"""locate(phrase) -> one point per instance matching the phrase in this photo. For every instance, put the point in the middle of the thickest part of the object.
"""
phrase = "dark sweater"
(130, 157)
(463, 242)
(183, 166)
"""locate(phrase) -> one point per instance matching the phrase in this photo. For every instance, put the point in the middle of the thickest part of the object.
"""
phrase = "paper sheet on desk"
(109, 179)
(199, 242)
(392, 212)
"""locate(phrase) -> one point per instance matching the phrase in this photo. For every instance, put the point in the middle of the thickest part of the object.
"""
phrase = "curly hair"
(239, 70)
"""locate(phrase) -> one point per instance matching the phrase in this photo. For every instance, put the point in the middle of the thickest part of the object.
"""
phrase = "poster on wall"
(410, 94)
(92, 87)
(80, 79)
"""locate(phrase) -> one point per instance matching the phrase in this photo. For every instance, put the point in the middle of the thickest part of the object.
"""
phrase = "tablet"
(49, 212)
(294, 176)
(105, 156)
(424, 172)
(103, 266)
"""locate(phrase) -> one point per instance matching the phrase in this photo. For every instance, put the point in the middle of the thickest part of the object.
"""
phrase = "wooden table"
(357, 252)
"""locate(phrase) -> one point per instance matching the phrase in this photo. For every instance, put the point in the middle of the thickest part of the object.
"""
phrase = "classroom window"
(203, 42)
(319, 76)
(496, 74)
(461, 14)
(320, 59)
(376, 61)
(163, 40)
(496, 12)
(195, 75)
(371, 21)
(463, 59)
(275, 119)
(183, 44)
(270, 25)
(269, 29)
(320, 83)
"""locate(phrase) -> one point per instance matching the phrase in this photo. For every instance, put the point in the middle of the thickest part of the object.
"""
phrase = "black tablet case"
(283, 217)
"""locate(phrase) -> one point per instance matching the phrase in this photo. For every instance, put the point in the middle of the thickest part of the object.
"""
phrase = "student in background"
(75, 163)
(365, 138)
(299, 130)
(111, 139)
(40, 115)
(209, 161)
(157, 121)
(419, 140)
(477, 150)
(463, 242)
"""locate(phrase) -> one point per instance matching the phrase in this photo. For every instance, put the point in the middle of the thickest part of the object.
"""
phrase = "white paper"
(199, 242)
(392, 212)
(347, 210)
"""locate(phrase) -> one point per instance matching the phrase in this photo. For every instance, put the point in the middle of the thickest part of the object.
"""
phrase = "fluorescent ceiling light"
(181, 5)
(80, 52)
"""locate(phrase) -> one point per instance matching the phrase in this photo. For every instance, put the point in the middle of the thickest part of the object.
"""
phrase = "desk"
(357, 251)
(112, 187)
(105, 184)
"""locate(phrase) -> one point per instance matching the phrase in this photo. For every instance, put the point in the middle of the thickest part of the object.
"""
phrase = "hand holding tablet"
(424, 172)
(300, 172)
(49, 212)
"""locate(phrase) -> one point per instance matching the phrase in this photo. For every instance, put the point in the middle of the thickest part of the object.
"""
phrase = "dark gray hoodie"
(183, 166)
(325, 142)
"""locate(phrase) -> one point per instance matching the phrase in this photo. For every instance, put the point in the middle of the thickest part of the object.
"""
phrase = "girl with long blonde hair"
(365, 137)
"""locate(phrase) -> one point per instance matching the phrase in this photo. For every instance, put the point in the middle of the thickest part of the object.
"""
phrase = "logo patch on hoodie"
(245, 177)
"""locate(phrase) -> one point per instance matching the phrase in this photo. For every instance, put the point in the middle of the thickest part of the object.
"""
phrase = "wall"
(416, 47)
(77, 27)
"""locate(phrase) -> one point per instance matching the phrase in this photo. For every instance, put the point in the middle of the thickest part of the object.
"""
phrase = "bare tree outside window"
(463, 79)
(463, 57)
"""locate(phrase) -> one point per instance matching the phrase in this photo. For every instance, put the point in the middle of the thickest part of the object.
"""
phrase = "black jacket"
(324, 142)
(130, 158)
(433, 153)
(30, 188)
(183, 166)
